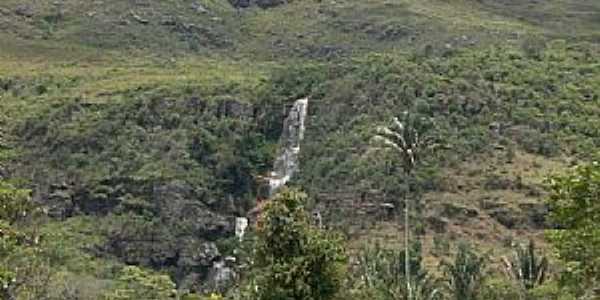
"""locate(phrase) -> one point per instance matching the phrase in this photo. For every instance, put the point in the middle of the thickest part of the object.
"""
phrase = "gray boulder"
(24, 11)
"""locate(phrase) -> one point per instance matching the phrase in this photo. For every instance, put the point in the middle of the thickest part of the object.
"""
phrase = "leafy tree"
(136, 283)
(24, 273)
(293, 259)
(465, 275)
(575, 208)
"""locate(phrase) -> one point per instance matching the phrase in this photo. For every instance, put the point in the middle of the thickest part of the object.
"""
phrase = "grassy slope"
(299, 29)
(98, 52)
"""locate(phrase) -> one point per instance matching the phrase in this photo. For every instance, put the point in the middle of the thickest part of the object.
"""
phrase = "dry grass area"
(467, 207)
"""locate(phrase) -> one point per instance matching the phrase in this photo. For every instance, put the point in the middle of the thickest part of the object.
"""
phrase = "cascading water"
(286, 162)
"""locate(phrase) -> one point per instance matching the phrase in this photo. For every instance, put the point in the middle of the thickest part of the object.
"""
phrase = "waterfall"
(286, 162)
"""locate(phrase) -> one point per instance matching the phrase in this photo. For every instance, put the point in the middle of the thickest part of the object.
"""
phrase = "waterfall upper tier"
(286, 162)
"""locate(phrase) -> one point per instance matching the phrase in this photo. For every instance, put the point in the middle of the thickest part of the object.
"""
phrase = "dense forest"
(300, 150)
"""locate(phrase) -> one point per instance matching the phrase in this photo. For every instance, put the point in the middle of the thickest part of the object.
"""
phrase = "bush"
(379, 275)
(465, 275)
(498, 289)
(294, 260)
(135, 283)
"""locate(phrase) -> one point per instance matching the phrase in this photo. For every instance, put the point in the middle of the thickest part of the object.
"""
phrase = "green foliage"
(24, 271)
(8, 242)
(575, 209)
(538, 104)
(148, 148)
(379, 275)
(214, 297)
(465, 275)
(498, 288)
(15, 204)
(294, 260)
(135, 283)
(551, 290)
(525, 268)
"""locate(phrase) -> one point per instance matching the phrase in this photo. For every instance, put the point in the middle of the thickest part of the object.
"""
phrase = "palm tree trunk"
(406, 248)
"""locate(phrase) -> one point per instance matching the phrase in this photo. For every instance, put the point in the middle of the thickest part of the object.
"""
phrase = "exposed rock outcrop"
(259, 3)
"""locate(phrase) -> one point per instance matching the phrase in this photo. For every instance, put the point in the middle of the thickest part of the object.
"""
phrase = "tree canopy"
(575, 208)
(295, 260)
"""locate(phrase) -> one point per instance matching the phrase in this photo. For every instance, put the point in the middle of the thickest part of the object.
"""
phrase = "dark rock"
(495, 127)
(486, 203)
(326, 51)
(98, 200)
(208, 254)
(536, 214)
(168, 21)
(505, 216)
(215, 226)
(259, 3)
(235, 109)
(437, 224)
(240, 3)
(196, 104)
(388, 32)
(138, 18)
(59, 203)
(195, 255)
(24, 11)
(200, 35)
(496, 182)
(458, 212)
(179, 204)
(270, 3)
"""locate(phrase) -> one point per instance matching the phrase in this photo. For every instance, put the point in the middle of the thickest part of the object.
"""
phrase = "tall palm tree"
(405, 138)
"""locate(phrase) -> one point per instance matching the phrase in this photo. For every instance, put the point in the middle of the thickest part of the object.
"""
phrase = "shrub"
(380, 274)
(465, 275)
(293, 259)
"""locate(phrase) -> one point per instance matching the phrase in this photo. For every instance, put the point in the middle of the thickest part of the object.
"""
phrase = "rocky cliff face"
(169, 176)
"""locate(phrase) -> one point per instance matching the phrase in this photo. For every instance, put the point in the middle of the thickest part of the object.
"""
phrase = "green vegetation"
(132, 133)
(465, 275)
(525, 268)
(135, 283)
(574, 206)
(380, 275)
(293, 260)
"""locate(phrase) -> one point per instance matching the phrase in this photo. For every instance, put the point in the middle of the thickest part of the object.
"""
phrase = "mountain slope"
(148, 125)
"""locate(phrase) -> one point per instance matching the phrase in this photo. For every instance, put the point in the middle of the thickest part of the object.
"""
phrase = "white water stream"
(286, 162)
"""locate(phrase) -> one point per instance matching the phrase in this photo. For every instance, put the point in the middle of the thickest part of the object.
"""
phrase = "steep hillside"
(304, 29)
(144, 128)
